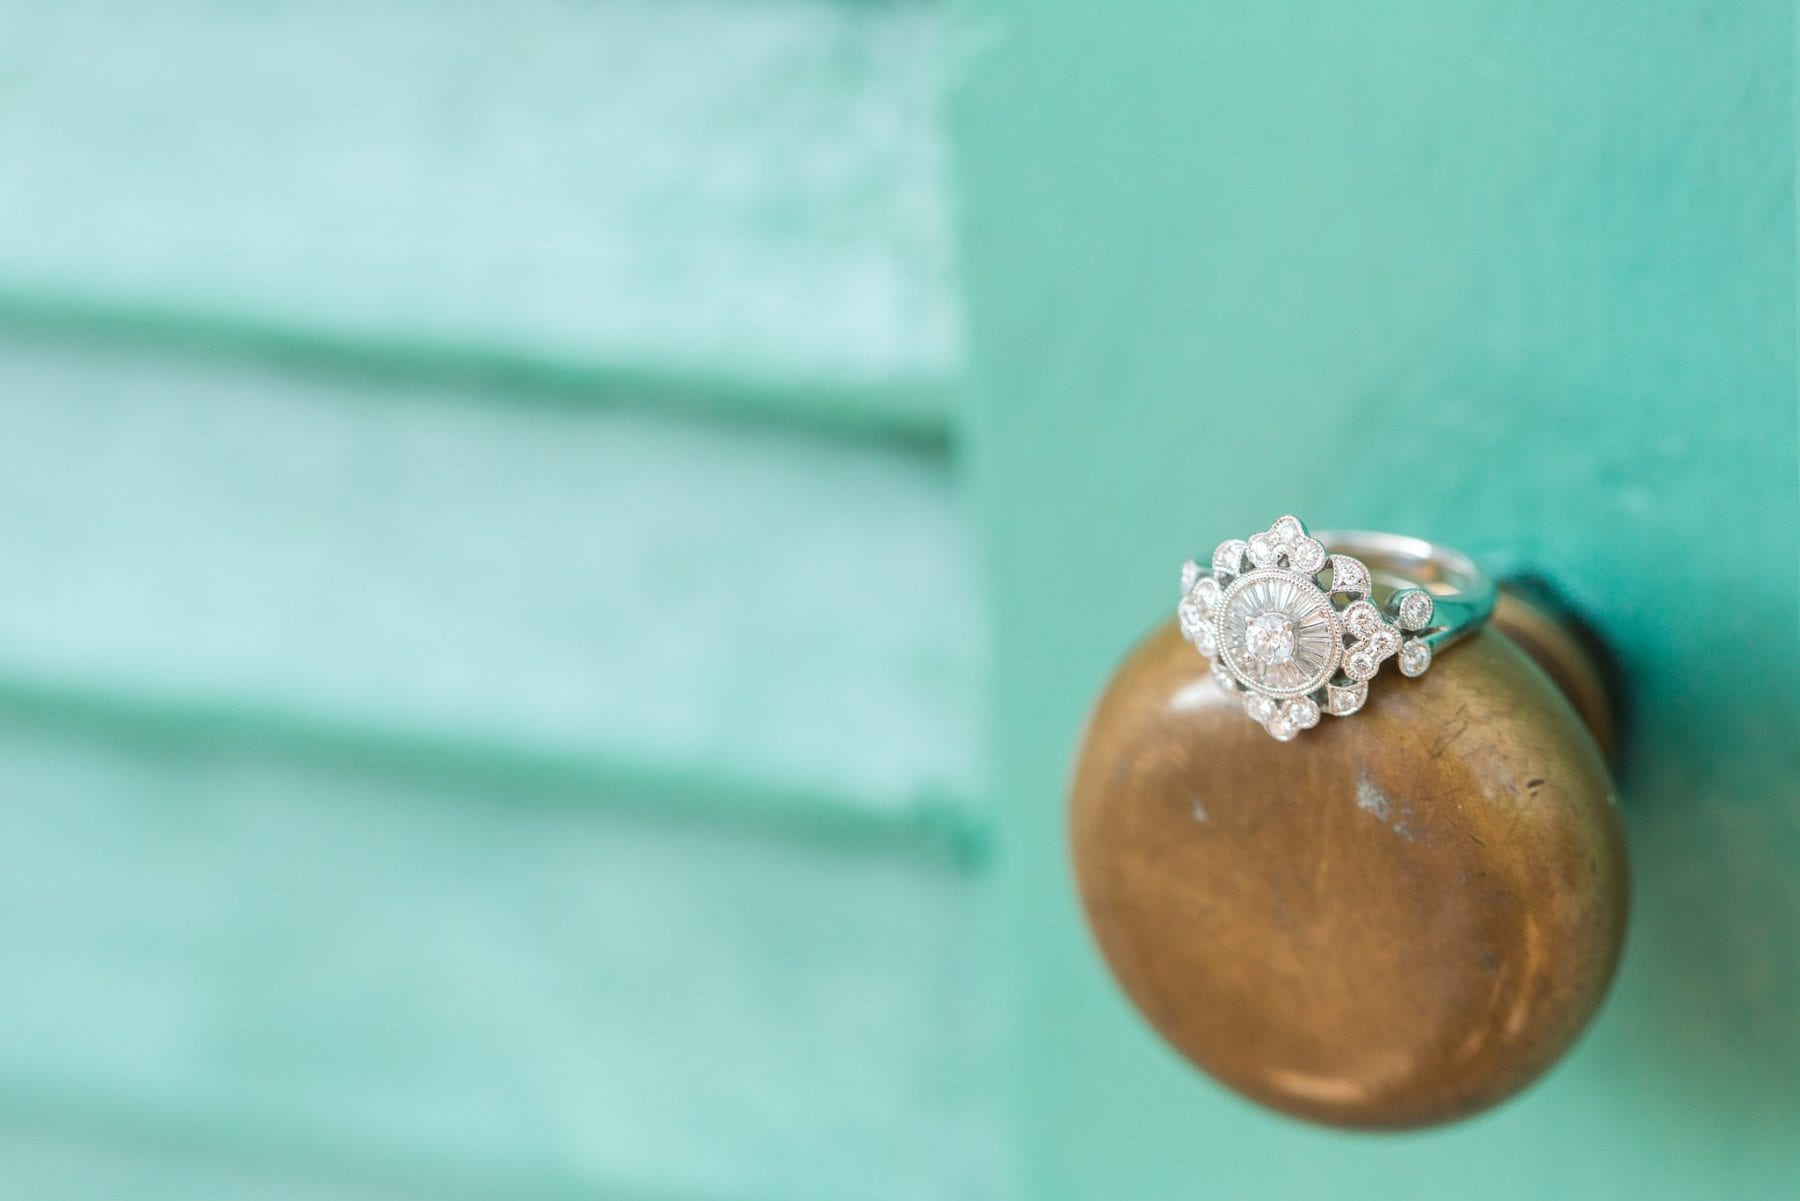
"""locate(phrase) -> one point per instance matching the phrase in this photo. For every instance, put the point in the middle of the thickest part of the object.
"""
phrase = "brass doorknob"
(1399, 921)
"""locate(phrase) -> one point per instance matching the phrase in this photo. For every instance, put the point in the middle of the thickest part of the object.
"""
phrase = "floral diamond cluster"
(1302, 635)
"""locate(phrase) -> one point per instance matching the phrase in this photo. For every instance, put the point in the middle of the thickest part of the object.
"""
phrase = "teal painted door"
(1520, 277)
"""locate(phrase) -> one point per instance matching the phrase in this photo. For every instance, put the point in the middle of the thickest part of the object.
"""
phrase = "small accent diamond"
(1349, 576)
(1345, 699)
(1261, 707)
(1283, 729)
(1265, 552)
(1228, 559)
(1197, 626)
(1206, 593)
(1361, 664)
(1415, 610)
(1362, 619)
(1190, 573)
(1287, 530)
(1306, 557)
(1384, 641)
(1415, 657)
(1302, 713)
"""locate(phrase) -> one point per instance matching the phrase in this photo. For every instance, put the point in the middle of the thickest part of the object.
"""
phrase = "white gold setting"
(1277, 632)
(1293, 626)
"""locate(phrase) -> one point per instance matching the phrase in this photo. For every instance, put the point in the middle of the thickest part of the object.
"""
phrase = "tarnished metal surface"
(1399, 921)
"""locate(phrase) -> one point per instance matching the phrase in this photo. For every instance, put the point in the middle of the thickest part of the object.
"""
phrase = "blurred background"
(491, 642)
(554, 554)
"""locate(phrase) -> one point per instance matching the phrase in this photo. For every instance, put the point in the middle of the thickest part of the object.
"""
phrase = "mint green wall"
(1517, 276)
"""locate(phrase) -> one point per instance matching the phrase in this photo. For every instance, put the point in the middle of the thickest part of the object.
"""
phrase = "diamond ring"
(1298, 625)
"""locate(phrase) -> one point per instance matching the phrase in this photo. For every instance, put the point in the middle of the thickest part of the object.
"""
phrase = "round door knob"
(1399, 920)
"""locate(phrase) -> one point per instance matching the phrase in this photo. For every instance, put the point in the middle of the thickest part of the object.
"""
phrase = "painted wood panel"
(353, 980)
(445, 575)
(735, 205)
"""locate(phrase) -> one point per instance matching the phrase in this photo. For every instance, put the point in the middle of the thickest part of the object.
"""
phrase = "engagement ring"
(1299, 625)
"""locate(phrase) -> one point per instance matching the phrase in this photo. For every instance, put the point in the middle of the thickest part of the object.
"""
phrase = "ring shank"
(1462, 594)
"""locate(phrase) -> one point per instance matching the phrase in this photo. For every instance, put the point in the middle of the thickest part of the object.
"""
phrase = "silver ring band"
(1463, 595)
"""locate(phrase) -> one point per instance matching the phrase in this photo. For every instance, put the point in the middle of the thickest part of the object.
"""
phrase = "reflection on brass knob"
(1399, 921)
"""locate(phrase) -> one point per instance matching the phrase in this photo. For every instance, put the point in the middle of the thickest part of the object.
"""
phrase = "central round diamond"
(1270, 638)
(1278, 633)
